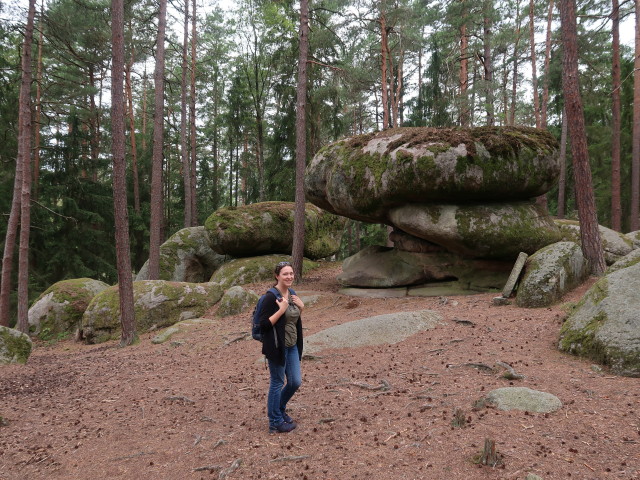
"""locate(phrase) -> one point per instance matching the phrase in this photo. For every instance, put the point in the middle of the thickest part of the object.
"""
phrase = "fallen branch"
(218, 443)
(209, 468)
(510, 373)
(236, 339)
(290, 458)
(228, 471)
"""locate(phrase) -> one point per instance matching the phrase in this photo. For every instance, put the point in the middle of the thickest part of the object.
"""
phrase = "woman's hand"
(297, 302)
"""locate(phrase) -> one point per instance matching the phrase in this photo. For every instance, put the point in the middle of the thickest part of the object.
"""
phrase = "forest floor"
(195, 406)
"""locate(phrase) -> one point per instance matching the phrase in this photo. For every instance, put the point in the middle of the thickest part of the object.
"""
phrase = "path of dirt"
(195, 407)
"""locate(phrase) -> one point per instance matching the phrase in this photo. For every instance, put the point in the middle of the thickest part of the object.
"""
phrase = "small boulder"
(267, 228)
(15, 346)
(550, 273)
(615, 244)
(242, 271)
(626, 261)
(236, 300)
(59, 309)
(634, 237)
(523, 398)
(496, 230)
(157, 304)
(186, 257)
(605, 325)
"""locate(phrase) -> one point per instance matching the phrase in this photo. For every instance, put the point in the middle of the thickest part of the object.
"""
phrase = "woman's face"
(286, 275)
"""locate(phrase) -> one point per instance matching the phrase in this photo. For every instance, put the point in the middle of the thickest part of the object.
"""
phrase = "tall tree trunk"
(192, 119)
(488, 60)
(132, 134)
(514, 79)
(562, 182)
(157, 157)
(144, 109)
(635, 149)
(547, 64)
(464, 72)
(383, 64)
(534, 74)
(616, 207)
(589, 233)
(125, 280)
(301, 141)
(184, 151)
(38, 112)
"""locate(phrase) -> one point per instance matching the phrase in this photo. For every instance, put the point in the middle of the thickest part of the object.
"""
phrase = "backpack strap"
(275, 292)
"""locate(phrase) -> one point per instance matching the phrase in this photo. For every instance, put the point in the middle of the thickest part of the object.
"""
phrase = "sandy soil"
(195, 407)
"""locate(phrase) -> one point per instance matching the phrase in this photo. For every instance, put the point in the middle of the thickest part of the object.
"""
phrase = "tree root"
(228, 471)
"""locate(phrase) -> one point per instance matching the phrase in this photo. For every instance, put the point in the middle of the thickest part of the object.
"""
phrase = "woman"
(282, 345)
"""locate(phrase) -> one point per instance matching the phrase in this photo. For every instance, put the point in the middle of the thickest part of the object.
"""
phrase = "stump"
(489, 455)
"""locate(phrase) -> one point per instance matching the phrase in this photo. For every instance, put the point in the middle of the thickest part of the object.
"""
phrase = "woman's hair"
(280, 266)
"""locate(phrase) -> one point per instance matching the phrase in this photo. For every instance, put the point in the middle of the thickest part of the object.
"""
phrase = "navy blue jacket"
(273, 337)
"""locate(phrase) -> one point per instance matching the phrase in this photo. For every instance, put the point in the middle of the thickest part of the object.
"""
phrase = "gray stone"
(626, 261)
(157, 304)
(605, 325)
(165, 335)
(364, 176)
(532, 476)
(15, 346)
(514, 275)
(495, 230)
(236, 300)
(242, 271)
(378, 330)
(634, 237)
(267, 228)
(186, 257)
(550, 273)
(374, 292)
(409, 243)
(523, 398)
(59, 309)
(615, 244)
(386, 267)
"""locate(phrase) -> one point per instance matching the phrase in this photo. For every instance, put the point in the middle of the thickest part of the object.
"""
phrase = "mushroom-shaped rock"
(60, 307)
(241, 271)
(496, 230)
(157, 303)
(615, 244)
(605, 325)
(186, 257)
(550, 273)
(15, 346)
(364, 176)
(267, 228)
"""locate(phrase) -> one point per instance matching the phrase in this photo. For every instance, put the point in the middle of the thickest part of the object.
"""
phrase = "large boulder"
(236, 300)
(186, 257)
(497, 230)
(605, 325)
(550, 273)
(267, 228)
(363, 177)
(242, 271)
(615, 244)
(626, 261)
(157, 304)
(634, 237)
(386, 267)
(59, 309)
(15, 346)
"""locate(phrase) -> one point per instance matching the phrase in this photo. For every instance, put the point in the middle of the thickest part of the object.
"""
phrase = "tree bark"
(192, 119)
(184, 151)
(547, 63)
(38, 110)
(132, 135)
(589, 233)
(464, 72)
(616, 207)
(125, 280)
(514, 80)
(634, 222)
(562, 182)
(301, 141)
(383, 64)
(534, 74)
(158, 144)
(488, 61)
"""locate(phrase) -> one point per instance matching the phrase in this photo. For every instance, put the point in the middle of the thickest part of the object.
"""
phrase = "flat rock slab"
(381, 329)
(374, 292)
(523, 398)
(435, 289)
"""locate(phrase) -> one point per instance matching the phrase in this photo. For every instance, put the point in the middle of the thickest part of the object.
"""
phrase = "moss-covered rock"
(385, 267)
(496, 230)
(236, 300)
(157, 303)
(267, 228)
(59, 309)
(634, 237)
(605, 325)
(615, 244)
(364, 176)
(626, 261)
(15, 346)
(186, 257)
(523, 398)
(242, 271)
(550, 273)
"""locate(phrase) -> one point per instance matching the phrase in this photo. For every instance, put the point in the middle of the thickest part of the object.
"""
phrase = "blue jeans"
(279, 393)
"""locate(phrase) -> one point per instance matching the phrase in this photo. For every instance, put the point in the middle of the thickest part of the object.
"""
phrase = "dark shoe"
(284, 427)
(287, 419)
